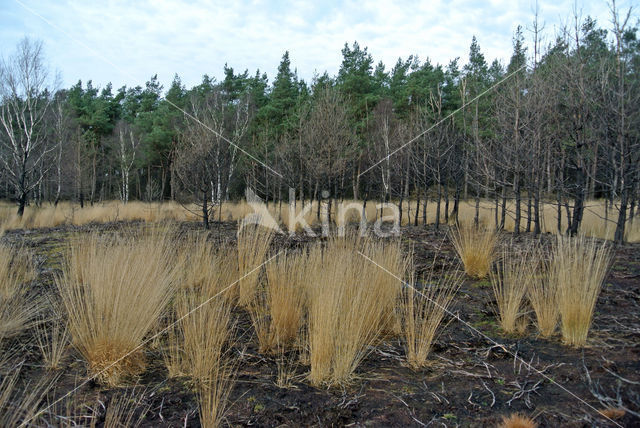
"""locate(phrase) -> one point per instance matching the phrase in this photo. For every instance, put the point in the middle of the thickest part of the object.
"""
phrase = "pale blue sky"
(136, 39)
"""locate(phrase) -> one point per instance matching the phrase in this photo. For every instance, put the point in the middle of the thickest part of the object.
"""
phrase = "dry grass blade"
(422, 312)
(515, 276)
(476, 248)
(253, 245)
(114, 291)
(578, 269)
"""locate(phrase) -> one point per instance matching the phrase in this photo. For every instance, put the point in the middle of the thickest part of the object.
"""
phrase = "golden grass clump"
(613, 413)
(577, 270)
(205, 325)
(258, 309)
(517, 272)
(543, 298)
(20, 406)
(421, 313)
(16, 268)
(5, 215)
(517, 421)
(207, 268)
(114, 290)
(52, 343)
(351, 302)
(476, 247)
(277, 311)
(286, 295)
(197, 349)
(213, 395)
(253, 245)
(124, 410)
(18, 308)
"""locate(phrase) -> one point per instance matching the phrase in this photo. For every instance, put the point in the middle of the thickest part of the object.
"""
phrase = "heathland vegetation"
(528, 144)
(492, 295)
(158, 299)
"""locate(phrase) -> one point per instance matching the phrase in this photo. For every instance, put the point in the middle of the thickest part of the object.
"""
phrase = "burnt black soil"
(473, 380)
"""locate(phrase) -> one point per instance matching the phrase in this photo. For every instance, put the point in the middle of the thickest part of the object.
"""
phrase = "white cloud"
(194, 38)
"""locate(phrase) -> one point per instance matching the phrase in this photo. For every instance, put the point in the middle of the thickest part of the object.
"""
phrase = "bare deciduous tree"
(26, 94)
(329, 140)
(205, 160)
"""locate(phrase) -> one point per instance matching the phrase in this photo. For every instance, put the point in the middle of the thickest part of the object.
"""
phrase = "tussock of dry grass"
(517, 421)
(351, 302)
(16, 268)
(476, 248)
(197, 349)
(253, 245)
(207, 268)
(577, 270)
(277, 311)
(286, 278)
(52, 341)
(213, 395)
(613, 413)
(286, 365)
(124, 410)
(19, 406)
(114, 290)
(421, 313)
(206, 272)
(516, 274)
(543, 299)
(258, 309)
(18, 309)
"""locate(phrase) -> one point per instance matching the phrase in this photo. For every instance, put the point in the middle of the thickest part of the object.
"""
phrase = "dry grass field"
(66, 213)
(160, 323)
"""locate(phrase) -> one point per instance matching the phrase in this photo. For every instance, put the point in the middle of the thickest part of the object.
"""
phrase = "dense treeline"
(558, 124)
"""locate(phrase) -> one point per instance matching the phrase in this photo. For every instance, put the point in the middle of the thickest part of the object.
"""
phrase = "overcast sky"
(126, 42)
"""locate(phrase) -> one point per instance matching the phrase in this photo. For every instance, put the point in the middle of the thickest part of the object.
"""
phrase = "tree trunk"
(529, 211)
(516, 225)
(446, 204)
(536, 211)
(438, 206)
(205, 210)
(417, 213)
(578, 207)
(22, 202)
(456, 203)
(622, 217)
(503, 213)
